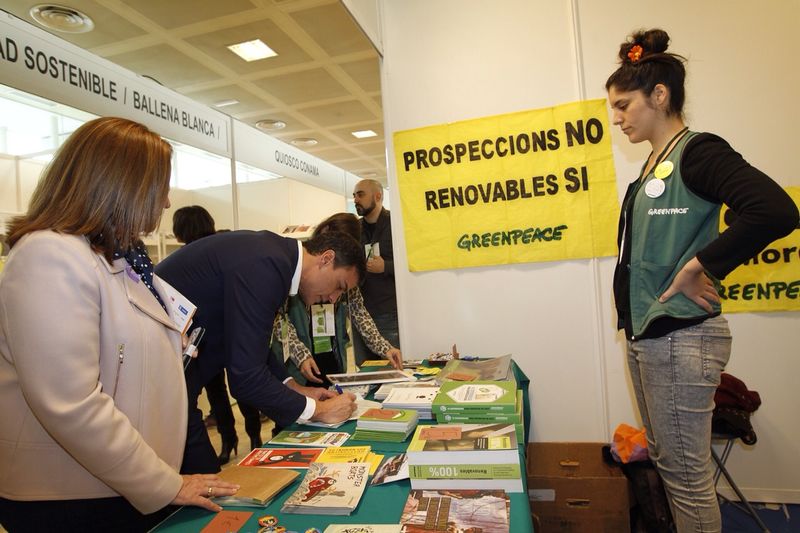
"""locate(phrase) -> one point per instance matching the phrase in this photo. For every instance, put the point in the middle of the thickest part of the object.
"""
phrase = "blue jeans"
(674, 380)
(387, 325)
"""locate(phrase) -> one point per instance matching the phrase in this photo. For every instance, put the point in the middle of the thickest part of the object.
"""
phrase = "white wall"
(273, 204)
(454, 59)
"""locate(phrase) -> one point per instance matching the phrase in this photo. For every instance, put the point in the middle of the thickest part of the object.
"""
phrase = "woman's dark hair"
(344, 222)
(109, 181)
(191, 223)
(644, 67)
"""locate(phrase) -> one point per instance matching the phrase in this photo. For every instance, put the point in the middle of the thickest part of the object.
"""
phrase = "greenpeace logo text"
(668, 211)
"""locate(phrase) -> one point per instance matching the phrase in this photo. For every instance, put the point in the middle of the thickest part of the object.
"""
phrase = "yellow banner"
(771, 280)
(529, 186)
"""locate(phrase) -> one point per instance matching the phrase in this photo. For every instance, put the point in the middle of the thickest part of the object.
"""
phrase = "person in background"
(378, 289)
(190, 223)
(91, 380)
(238, 280)
(312, 356)
(671, 256)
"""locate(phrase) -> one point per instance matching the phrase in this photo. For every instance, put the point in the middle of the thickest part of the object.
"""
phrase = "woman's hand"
(310, 370)
(395, 357)
(693, 283)
(197, 490)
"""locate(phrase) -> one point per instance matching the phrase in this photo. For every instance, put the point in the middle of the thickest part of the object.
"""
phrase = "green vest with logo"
(298, 316)
(666, 232)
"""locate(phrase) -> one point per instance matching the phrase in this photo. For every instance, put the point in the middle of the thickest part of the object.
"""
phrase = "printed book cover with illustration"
(281, 457)
(456, 510)
(329, 489)
(310, 438)
(477, 396)
(387, 417)
(391, 469)
(493, 369)
(453, 443)
(363, 528)
(344, 454)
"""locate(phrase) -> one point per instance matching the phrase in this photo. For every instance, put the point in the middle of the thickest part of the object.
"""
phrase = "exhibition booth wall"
(452, 60)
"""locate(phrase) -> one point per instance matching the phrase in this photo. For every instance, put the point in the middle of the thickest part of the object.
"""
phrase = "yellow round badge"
(663, 170)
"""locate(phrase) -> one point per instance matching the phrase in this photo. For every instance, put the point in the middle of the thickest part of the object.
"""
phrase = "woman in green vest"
(671, 256)
(316, 338)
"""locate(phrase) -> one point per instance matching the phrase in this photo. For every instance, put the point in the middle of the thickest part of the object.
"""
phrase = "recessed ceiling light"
(226, 103)
(270, 124)
(363, 134)
(252, 50)
(304, 141)
(61, 18)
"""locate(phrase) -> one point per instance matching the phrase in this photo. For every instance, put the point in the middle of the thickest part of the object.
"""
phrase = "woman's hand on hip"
(692, 282)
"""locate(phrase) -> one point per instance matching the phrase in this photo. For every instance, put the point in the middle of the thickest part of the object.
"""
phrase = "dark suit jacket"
(238, 280)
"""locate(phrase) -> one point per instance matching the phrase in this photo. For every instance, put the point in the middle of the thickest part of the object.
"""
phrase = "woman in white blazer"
(92, 394)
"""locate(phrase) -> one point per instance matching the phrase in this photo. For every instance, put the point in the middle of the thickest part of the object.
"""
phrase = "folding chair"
(720, 460)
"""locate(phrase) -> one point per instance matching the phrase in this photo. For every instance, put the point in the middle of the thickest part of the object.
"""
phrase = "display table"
(381, 504)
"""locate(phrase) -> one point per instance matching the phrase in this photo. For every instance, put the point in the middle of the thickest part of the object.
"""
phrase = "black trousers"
(217, 392)
(199, 456)
(78, 516)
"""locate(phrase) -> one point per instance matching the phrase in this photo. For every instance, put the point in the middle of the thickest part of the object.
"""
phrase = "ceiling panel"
(303, 87)
(332, 115)
(365, 73)
(163, 70)
(334, 154)
(248, 102)
(214, 43)
(170, 14)
(333, 29)
(109, 27)
(347, 133)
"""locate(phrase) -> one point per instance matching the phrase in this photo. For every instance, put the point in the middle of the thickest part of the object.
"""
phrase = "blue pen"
(338, 389)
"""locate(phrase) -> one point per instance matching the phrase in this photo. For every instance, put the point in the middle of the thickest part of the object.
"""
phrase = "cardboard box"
(572, 490)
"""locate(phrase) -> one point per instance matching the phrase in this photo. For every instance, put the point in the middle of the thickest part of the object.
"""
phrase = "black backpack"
(650, 512)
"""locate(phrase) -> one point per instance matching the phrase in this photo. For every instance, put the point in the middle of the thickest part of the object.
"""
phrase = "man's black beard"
(365, 211)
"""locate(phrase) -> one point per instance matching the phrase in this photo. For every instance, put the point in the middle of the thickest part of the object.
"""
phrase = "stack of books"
(386, 425)
(351, 454)
(384, 390)
(320, 439)
(281, 457)
(480, 402)
(465, 456)
(329, 489)
(419, 399)
(496, 369)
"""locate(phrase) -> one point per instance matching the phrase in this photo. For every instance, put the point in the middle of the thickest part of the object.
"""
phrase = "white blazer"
(92, 394)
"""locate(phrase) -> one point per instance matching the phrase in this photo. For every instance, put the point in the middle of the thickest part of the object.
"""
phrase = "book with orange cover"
(281, 457)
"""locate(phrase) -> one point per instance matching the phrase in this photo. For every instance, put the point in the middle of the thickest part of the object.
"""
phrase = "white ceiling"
(324, 82)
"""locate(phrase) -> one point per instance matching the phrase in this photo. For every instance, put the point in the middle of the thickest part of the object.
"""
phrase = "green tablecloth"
(381, 504)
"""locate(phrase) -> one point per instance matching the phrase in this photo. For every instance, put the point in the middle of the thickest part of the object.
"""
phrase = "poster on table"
(522, 187)
(770, 281)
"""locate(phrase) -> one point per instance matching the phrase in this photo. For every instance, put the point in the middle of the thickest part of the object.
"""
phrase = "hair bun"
(654, 41)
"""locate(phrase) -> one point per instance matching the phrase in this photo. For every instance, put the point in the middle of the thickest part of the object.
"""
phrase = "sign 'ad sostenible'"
(42, 64)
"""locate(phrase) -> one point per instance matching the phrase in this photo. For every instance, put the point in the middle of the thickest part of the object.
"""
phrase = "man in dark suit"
(238, 281)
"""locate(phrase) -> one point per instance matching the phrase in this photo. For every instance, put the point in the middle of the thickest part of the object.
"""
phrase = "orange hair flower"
(635, 53)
